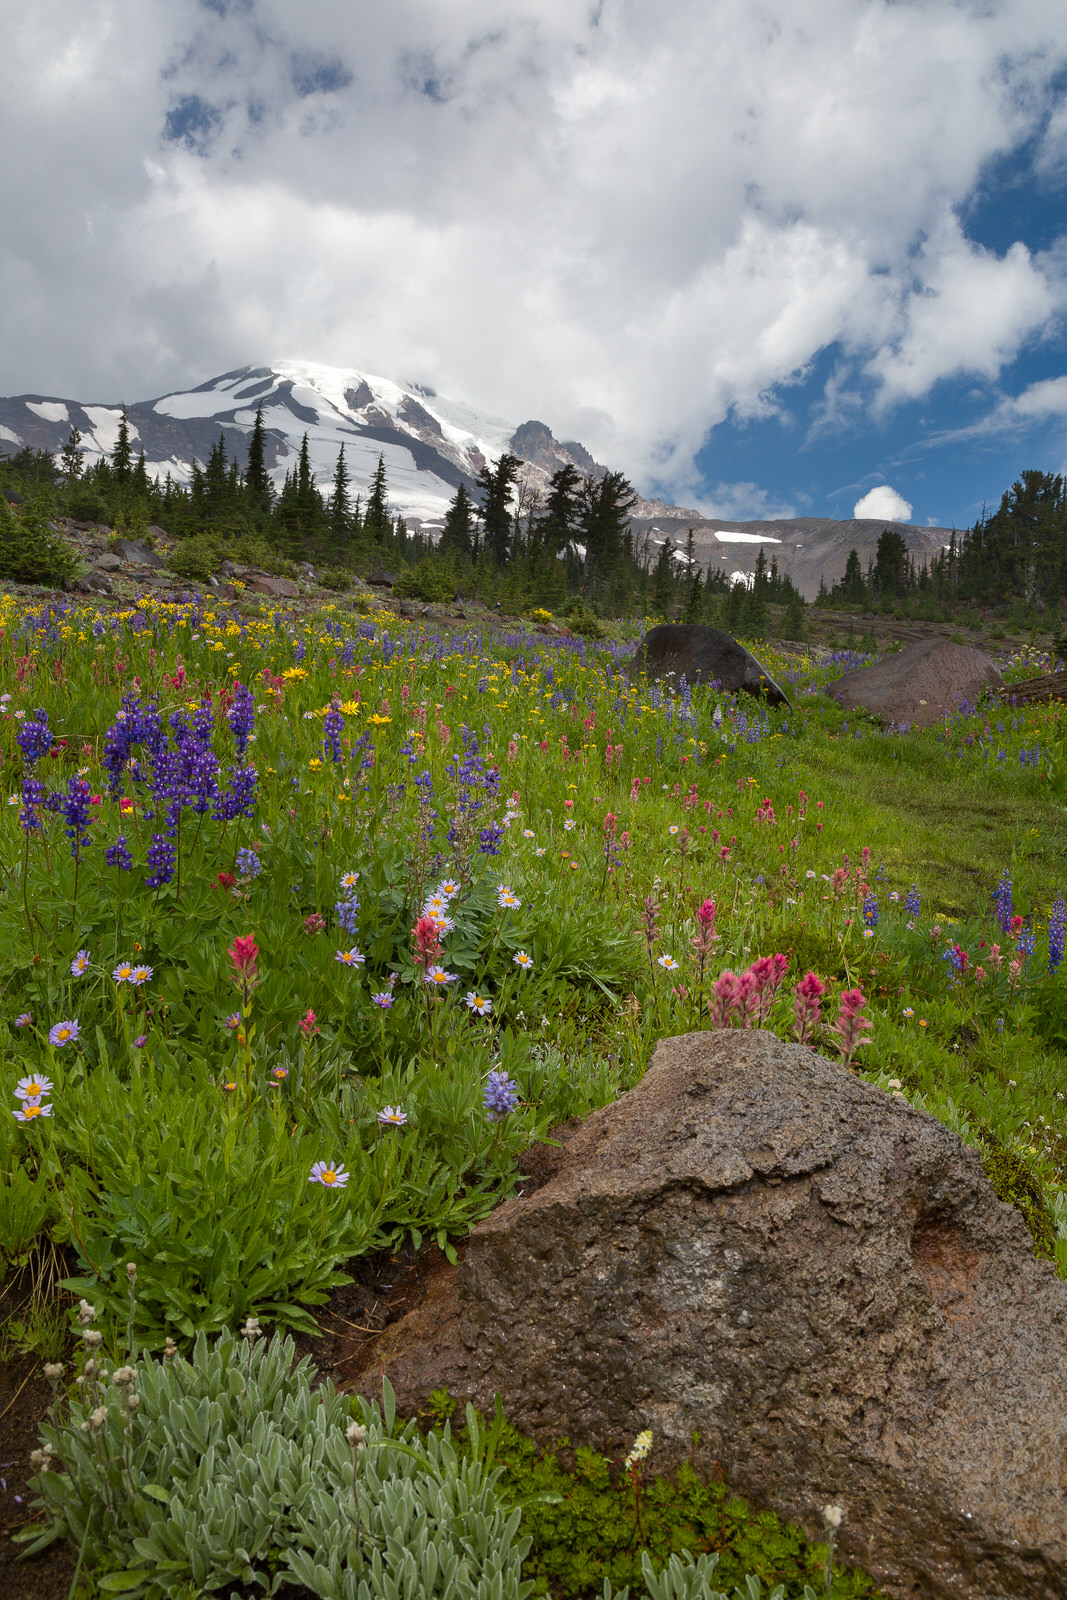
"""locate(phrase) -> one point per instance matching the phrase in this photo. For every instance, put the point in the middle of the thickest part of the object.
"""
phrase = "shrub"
(85, 505)
(195, 558)
(30, 552)
(431, 579)
(335, 578)
(183, 1476)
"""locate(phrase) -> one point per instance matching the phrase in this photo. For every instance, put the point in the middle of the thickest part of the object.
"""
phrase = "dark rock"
(133, 550)
(919, 684)
(702, 655)
(92, 583)
(757, 1247)
(1049, 686)
(227, 569)
(381, 580)
(280, 588)
(108, 562)
(157, 533)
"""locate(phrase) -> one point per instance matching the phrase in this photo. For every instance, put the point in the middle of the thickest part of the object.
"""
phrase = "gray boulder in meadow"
(702, 655)
(757, 1247)
(920, 683)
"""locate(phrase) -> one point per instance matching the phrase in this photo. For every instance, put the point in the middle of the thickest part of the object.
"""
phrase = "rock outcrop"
(758, 1247)
(919, 684)
(703, 655)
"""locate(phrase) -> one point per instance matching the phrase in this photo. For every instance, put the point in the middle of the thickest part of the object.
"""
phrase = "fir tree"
(376, 516)
(70, 460)
(458, 533)
(557, 526)
(122, 453)
(340, 509)
(496, 484)
(259, 491)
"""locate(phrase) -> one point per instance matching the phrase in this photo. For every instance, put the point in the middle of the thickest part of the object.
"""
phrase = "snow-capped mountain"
(430, 444)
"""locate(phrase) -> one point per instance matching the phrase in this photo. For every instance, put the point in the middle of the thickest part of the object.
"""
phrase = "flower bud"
(97, 1418)
(93, 1339)
(131, 1270)
(53, 1371)
(124, 1377)
(86, 1313)
(356, 1434)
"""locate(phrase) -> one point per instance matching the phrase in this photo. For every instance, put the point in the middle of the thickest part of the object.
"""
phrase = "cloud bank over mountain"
(638, 218)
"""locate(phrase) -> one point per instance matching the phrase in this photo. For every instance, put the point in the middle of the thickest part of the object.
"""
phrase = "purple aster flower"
(233, 1020)
(24, 1019)
(140, 975)
(33, 1088)
(117, 855)
(61, 1033)
(80, 965)
(501, 1095)
(350, 958)
(140, 1041)
(383, 1001)
(329, 1173)
(392, 1116)
(30, 1109)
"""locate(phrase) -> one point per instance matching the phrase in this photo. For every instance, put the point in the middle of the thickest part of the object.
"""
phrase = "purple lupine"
(75, 808)
(1003, 900)
(34, 737)
(248, 863)
(242, 717)
(1056, 924)
(870, 911)
(347, 914)
(500, 1096)
(489, 839)
(117, 855)
(33, 798)
(911, 904)
(237, 800)
(332, 728)
(162, 858)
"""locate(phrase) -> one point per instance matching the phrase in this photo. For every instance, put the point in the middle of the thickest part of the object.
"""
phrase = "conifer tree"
(122, 452)
(70, 460)
(340, 509)
(557, 526)
(457, 535)
(376, 517)
(496, 484)
(259, 491)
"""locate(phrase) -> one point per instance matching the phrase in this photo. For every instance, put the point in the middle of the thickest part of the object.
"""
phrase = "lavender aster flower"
(392, 1116)
(383, 1001)
(350, 958)
(330, 1174)
(24, 1019)
(501, 1095)
(33, 1088)
(61, 1033)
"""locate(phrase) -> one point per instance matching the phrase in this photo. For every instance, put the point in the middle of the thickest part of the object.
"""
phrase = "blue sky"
(768, 260)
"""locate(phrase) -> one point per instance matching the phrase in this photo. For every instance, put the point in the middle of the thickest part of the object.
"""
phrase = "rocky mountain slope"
(430, 443)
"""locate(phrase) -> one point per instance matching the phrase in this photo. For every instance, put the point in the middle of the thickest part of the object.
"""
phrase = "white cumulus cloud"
(631, 218)
(883, 502)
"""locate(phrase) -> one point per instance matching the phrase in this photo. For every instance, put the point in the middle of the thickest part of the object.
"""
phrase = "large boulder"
(140, 554)
(756, 1246)
(278, 588)
(702, 655)
(919, 684)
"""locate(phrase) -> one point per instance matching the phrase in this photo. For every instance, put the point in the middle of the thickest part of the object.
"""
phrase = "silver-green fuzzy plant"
(685, 1579)
(231, 1467)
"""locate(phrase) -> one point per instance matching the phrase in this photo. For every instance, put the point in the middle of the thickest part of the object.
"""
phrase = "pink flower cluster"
(744, 999)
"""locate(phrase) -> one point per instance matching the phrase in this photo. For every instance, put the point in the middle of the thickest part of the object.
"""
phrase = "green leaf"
(119, 1582)
(155, 1491)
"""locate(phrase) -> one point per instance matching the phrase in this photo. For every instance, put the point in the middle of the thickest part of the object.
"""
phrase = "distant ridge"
(431, 445)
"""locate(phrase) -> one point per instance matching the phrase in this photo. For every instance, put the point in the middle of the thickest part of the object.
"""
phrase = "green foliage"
(1018, 1182)
(597, 1526)
(335, 578)
(234, 1467)
(30, 552)
(432, 579)
(196, 558)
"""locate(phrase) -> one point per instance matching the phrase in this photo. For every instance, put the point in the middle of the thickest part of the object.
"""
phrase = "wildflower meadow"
(310, 924)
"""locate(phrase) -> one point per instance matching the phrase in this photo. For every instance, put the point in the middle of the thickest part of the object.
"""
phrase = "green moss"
(593, 1522)
(1019, 1182)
